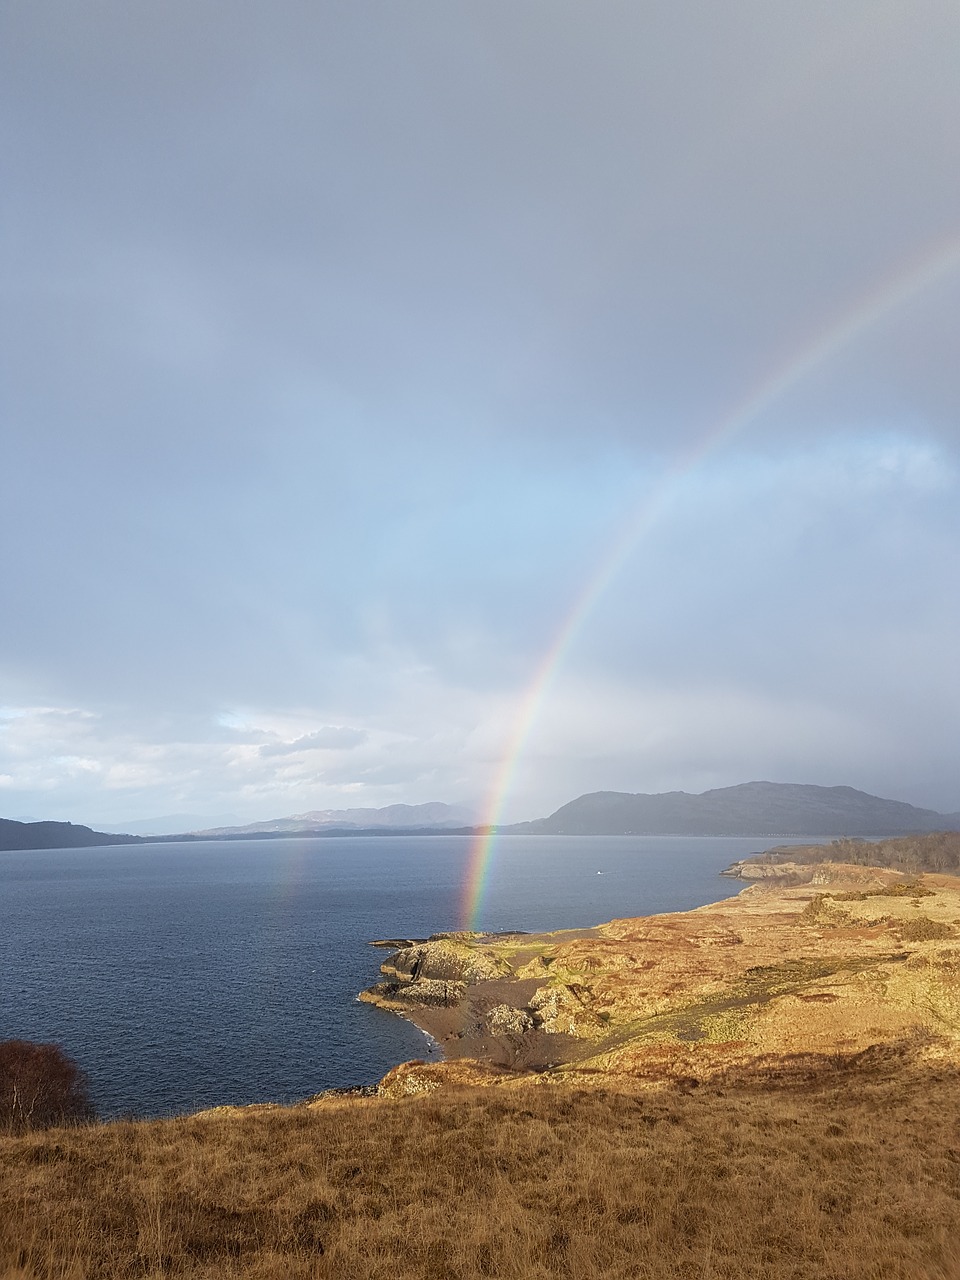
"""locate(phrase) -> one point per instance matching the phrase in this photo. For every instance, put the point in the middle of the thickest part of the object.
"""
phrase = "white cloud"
(329, 738)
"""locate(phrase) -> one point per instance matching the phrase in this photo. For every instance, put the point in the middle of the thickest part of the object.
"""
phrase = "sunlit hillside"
(843, 1172)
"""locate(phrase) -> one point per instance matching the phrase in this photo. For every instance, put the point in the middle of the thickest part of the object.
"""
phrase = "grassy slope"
(842, 1177)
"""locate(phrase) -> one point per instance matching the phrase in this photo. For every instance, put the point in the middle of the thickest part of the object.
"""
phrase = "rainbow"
(910, 279)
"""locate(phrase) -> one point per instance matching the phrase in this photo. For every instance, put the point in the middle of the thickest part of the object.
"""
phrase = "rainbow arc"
(898, 288)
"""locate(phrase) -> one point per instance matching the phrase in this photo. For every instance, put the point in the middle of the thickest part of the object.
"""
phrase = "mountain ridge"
(761, 809)
(747, 809)
(433, 813)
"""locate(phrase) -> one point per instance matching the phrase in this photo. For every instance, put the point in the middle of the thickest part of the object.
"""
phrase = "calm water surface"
(185, 975)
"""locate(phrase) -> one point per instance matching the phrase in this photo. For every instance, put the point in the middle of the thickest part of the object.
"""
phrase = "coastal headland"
(815, 961)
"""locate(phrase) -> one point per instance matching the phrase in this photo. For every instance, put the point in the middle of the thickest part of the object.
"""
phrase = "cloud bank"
(342, 347)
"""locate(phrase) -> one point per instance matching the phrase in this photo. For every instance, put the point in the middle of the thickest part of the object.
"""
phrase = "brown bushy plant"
(923, 929)
(40, 1086)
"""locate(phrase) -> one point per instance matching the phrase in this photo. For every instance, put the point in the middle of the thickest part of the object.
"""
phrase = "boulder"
(504, 1019)
(446, 959)
(561, 1010)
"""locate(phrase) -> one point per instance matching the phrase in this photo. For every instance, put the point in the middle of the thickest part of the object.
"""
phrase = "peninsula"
(817, 960)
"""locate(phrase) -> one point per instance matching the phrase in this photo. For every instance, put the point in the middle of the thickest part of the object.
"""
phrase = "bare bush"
(40, 1086)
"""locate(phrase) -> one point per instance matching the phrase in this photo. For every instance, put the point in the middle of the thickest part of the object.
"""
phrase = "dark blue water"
(180, 976)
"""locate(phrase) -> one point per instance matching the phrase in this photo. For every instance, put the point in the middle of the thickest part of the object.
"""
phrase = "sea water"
(185, 975)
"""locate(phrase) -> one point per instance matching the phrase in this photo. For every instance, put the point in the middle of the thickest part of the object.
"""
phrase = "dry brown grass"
(849, 1177)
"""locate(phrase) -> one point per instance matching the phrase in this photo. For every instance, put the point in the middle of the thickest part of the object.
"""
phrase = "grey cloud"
(582, 223)
(340, 341)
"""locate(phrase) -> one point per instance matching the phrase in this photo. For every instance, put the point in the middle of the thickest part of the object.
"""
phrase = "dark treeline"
(939, 851)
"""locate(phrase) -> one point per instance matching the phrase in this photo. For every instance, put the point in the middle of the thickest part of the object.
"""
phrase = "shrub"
(40, 1086)
(923, 929)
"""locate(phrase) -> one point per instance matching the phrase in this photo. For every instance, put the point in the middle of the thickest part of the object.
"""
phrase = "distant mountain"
(170, 824)
(55, 835)
(761, 809)
(395, 816)
(751, 809)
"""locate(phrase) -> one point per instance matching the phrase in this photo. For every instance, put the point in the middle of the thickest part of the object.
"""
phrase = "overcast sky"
(347, 344)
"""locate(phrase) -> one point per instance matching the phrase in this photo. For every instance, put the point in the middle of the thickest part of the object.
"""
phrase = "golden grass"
(850, 1176)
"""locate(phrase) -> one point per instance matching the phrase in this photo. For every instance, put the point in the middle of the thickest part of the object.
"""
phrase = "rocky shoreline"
(461, 990)
(817, 961)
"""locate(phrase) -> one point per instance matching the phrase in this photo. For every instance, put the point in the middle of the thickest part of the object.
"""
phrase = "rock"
(535, 968)
(560, 1010)
(434, 991)
(426, 991)
(409, 1078)
(747, 870)
(412, 1078)
(504, 1020)
(446, 959)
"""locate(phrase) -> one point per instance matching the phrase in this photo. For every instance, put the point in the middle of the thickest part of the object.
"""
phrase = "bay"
(182, 976)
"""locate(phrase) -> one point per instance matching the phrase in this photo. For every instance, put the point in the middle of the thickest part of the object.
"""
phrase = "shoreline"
(457, 1021)
(435, 1046)
(806, 961)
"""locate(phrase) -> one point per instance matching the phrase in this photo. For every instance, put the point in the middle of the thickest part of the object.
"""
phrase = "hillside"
(55, 835)
(750, 809)
(761, 809)
(396, 817)
(822, 958)
(848, 1174)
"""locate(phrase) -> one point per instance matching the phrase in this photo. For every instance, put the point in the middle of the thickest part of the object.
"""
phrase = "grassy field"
(837, 1173)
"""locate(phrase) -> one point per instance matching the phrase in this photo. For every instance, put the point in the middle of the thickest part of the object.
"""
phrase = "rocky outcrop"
(412, 1078)
(787, 873)
(505, 1020)
(563, 1010)
(784, 871)
(463, 990)
(426, 991)
(444, 958)
(435, 973)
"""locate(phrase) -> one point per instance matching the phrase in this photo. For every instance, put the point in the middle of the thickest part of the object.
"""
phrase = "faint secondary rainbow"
(909, 280)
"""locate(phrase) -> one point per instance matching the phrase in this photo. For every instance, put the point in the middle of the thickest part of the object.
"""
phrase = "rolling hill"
(750, 809)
